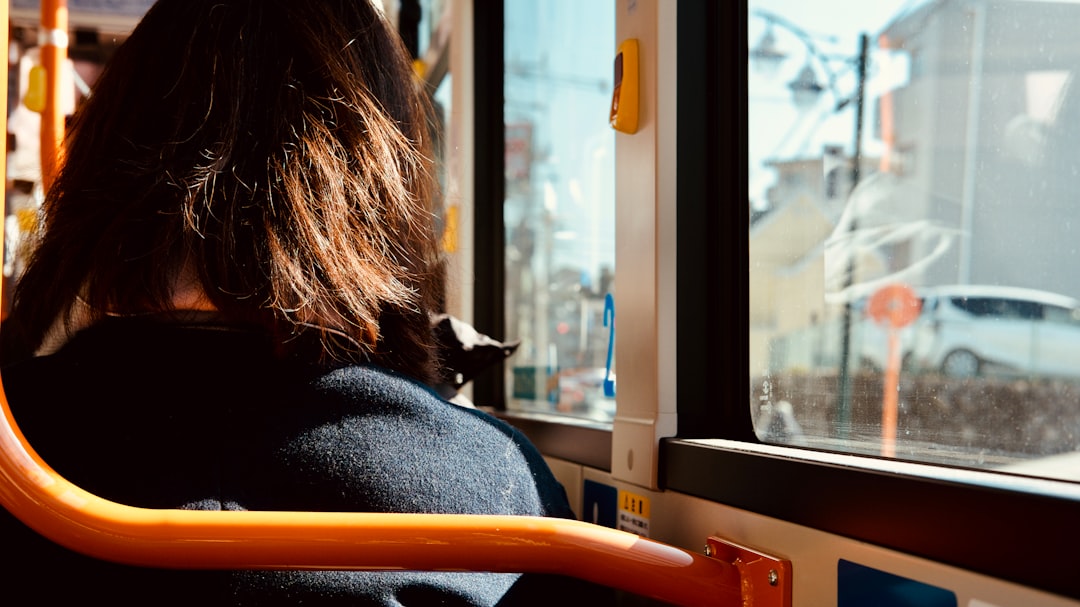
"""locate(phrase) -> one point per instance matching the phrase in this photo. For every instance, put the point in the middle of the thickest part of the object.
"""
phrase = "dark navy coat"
(170, 415)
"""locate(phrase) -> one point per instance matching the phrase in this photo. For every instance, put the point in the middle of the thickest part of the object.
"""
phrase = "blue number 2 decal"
(609, 321)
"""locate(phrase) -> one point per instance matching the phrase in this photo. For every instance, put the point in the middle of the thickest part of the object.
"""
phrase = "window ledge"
(582, 441)
(976, 520)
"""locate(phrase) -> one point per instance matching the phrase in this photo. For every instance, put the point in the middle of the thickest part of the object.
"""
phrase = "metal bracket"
(765, 580)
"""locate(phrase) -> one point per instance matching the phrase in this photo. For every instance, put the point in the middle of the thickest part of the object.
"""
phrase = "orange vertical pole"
(4, 38)
(3, 98)
(894, 306)
(53, 41)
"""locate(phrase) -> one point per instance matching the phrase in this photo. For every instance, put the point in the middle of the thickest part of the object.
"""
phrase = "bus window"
(559, 204)
(925, 147)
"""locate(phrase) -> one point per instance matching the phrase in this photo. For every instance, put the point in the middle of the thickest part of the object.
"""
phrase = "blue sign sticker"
(600, 503)
(861, 586)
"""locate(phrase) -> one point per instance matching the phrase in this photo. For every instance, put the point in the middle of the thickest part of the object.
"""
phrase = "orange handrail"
(53, 40)
(182, 539)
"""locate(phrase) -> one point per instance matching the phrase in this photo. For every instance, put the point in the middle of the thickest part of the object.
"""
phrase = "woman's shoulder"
(371, 391)
(348, 437)
(396, 442)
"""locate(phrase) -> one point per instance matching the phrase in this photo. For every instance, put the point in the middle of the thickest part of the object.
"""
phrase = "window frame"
(969, 519)
(1010, 527)
(489, 175)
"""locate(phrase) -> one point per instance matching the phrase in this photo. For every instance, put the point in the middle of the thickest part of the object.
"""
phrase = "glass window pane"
(915, 277)
(560, 205)
(433, 24)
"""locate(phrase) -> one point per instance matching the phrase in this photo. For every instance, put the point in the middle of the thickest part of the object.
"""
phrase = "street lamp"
(806, 90)
(767, 56)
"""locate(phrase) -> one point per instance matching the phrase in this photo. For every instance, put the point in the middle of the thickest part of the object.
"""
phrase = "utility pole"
(843, 417)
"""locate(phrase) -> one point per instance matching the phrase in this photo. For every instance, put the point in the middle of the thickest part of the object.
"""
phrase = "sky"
(777, 128)
(559, 80)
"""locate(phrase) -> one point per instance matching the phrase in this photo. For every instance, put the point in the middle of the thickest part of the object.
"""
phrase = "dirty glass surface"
(914, 217)
(560, 205)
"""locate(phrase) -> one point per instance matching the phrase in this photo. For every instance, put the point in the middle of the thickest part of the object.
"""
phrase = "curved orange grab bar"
(187, 539)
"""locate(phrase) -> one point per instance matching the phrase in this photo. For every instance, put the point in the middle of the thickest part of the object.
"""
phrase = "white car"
(965, 331)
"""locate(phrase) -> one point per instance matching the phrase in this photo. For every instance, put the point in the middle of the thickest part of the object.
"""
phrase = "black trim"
(409, 14)
(1026, 535)
(578, 441)
(712, 234)
(489, 240)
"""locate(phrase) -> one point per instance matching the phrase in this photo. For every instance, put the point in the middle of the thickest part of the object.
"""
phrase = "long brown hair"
(275, 150)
